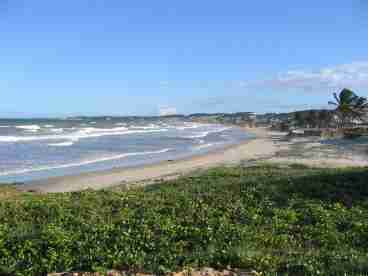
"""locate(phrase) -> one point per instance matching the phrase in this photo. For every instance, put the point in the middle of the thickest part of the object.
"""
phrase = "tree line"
(350, 109)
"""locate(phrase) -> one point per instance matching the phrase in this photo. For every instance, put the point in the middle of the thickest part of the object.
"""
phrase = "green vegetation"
(290, 220)
(313, 118)
(349, 106)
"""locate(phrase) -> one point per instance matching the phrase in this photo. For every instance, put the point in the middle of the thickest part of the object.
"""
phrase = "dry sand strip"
(260, 147)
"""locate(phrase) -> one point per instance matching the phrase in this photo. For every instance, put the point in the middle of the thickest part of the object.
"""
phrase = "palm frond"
(336, 98)
(349, 106)
(360, 102)
(347, 96)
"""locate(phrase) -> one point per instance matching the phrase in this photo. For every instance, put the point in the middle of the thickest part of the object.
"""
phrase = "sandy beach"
(268, 146)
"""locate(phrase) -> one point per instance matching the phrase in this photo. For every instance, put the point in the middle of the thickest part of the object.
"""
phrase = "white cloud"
(347, 75)
(164, 111)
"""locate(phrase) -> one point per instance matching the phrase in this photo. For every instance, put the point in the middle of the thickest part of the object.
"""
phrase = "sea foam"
(85, 162)
(206, 133)
(31, 128)
(63, 144)
(151, 126)
(80, 134)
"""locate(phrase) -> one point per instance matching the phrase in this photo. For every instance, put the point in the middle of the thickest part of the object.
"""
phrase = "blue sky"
(134, 57)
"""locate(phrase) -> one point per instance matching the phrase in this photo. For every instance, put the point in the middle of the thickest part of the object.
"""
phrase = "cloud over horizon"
(168, 110)
(288, 91)
(353, 75)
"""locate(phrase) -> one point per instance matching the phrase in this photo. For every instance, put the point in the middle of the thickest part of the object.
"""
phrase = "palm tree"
(349, 106)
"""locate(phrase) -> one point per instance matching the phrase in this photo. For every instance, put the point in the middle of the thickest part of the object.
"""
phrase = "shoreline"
(268, 145)
(231, 154)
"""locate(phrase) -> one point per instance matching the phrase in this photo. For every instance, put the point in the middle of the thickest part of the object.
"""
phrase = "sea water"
(34, 149)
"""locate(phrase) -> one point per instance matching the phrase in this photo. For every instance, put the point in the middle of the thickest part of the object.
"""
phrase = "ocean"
(33, 149)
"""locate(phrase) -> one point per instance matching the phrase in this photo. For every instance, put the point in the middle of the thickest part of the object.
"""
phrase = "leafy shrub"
(295, 221)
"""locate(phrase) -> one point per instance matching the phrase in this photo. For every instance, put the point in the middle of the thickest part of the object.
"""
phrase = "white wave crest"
(81, 134)
(32, 128)
(93, 129)
(63, 144)
(86, 162)
(151, 126)
(206, 133)
(57, 130)
(200, 135)
(203, 146)
(190, 126)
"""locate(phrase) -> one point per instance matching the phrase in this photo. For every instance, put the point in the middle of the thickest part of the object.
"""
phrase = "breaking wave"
(85, 162)
(63, 144)
(81, 134)
(29, 128)
(206, 133)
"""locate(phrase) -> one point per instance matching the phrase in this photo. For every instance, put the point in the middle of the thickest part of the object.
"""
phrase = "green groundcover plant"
(273, 219)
